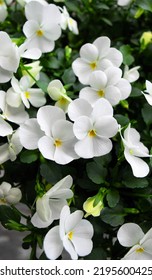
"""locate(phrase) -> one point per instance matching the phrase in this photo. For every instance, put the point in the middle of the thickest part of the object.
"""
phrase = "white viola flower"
(58, 143)
(93, 129)
(15, 115)
(132, 74)
(108, 85)
(58, 93)
(10, 150)
(42, 27)
(3, 11)
(96, 56)
(134, 150)
(123, 2)
(73, 234)
(32, 53)
(49, 206)
(131, 235)
(67, 21)
(21, 92)
(34, 69)
(148, 92)
(9, 58)
(9, 195)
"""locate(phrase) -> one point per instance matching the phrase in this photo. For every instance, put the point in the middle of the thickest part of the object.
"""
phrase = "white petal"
(83, 246)
(63, 184)
(115, 57)
(101, 108)
(98, 80)
(56, 206)
(148, 235)
(113, 95)
(82, 70)
(148, 98)
(79, 107)
(13, 98)
(65, 213)
(37, 222)
(4, 153)
(30, 133)
(5, 128)
(124, 87)
(43, 208)
(89, 94)
(65, 153)
(149, 87)
(139, 167)
(16, 115)
(129, 234)
(2, 100)
(147, 245)
(63, 134)
(107, 127)
(37, 98)
(73, 220)
(102, 44)
(47, 147)
(53, 246)
(82, 126)
(113, 75)
(34, 10)
(47, 115)
(89, 52)
(70, 248)
(30, 27)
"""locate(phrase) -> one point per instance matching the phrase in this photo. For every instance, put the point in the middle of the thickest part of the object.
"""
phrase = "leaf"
(128, 59)
(122, 120)
(29, 156)
(145, 4)
(68, 76)
(113, 198)
(96, 173)
(97, 254)
(132, 182)
(114, 216)
(147, 114)
(7, 213)
(51, 172)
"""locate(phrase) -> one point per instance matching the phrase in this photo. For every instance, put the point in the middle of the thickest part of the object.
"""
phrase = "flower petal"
(46, 147)
(37, 222)
(52, 244)
(79, 107)
(129, 234)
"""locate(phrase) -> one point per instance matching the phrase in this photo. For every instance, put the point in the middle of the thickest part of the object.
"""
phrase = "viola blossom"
(42, 27)
(9, 58)
(92, 127)
(8, 113)
(108, 85)
(131, 235)
(58, 143)
(10, 150)
(148, 92)
(21, 92)
(73, 234)
(134, 150)
(131, 74)
(9, 195)
(67, 21)
(57, 92)
(96, 56)
(124, 2)
(49, 206)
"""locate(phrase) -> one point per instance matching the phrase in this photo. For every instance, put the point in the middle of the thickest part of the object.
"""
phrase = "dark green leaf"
(145, 4)
(7, 213)
(114, 216)
(51, 172)
(147, 114)
(113, 198)
(29, 156)
(96, 173)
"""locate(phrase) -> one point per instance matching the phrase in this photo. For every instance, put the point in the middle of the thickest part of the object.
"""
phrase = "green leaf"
(97, 254)
(51, 172)
(132, 182)
(113, 198)
(114, 216)
(29, 156)
(128, 59)
(7, 213)
(147, 114)
(122, 120)
(68, 76)
(145, 4)
(96, 173)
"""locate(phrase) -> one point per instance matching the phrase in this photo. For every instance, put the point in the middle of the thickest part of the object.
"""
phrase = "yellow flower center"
(140, 250)
(92, 133)
(39, 32)
(57, 143)
(2, 200)
(100, 93)
(27, 94)
(1, 2)
(70, 235)
(93, 65)
(131, 152)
